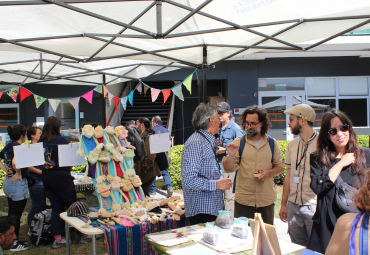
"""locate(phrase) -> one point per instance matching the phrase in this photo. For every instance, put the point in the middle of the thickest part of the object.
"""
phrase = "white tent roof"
(196, 33)
(280, 103)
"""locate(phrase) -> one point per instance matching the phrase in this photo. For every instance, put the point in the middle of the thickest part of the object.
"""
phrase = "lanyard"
(297, 164)
(219, 168)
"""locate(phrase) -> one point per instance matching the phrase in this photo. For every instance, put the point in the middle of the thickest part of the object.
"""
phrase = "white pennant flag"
(54, 103)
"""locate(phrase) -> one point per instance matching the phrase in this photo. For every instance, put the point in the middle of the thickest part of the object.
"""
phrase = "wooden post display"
(265, 237)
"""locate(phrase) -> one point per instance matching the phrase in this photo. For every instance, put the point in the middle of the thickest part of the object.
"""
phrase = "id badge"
(295, 178)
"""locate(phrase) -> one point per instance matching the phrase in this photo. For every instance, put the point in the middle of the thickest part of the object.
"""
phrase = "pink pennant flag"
(74, 102)
(88, 96)
(1, 94)
(166, 93)
(139, 87)
(110, 96)
(155, 93)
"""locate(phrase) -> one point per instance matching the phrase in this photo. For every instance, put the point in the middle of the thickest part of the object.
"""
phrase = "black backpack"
(163, 160)
(41, 228)
(135, 140)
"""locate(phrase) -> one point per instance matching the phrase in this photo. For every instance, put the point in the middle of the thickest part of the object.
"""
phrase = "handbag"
(31, 181)
(344, 196)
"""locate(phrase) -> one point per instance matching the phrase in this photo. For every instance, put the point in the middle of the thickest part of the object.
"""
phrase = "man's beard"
(138, 129)
(296, 130)
(253, 132)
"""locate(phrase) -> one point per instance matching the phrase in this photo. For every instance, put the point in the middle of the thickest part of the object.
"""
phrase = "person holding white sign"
(16, 185)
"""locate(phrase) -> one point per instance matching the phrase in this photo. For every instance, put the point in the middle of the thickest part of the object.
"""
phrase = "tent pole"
(204, 74)
(41, 67)
(158, 5)
(200, 85)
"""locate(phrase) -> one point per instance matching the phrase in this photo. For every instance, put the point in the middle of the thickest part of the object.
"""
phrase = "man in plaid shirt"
(202, 181)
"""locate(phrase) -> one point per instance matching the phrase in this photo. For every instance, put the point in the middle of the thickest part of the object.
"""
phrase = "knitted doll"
(104, 193)
(139, 193)
(116, 185)
(125, 192)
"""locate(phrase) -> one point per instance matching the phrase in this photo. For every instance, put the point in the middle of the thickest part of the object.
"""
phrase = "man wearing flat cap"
(229, 130)
(298, 203)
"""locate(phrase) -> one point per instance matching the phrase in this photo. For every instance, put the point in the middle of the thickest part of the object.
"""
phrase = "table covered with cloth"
(126, 240)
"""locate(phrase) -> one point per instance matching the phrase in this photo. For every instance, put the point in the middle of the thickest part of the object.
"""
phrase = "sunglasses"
(334, 131)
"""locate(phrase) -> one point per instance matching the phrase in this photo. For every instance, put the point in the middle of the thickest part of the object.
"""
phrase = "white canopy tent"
(196, 33)
(280, 104)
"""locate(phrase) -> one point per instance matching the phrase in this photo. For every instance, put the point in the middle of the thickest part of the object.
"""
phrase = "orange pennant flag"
(166, 93)
(105, 91)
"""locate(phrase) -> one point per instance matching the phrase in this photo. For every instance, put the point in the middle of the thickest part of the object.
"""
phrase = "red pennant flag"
(105, 91)
(1, 94)
(116, 101)
(24, 93)
(166, 93)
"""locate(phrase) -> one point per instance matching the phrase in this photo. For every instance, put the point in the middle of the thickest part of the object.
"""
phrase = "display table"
(122, 240)
(164, 250)
(81, 186)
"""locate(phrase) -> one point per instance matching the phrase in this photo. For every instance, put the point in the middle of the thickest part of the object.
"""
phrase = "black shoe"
(22, 241)
(18, 246)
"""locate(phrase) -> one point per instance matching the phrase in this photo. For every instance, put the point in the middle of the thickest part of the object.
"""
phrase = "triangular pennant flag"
(124, 102)
(24, 93)
(39, 100)
(88, 96)
(131, 97)
(155, 93)
(166, 93)
(98, 89)
(178, 92)
(145, 89)
(140, 87)
(187, 82)
(110, 96)
(1, 94)
(105, 91)
(13, 93)
(116, 101)
(74, 102)
(54, 103)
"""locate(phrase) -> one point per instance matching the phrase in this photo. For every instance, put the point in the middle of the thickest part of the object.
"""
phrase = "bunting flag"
(88, 96)
(39, 100)
(116, 101)
(1, 94)
(139, 87)
(24, 93)
(74, 102)
(166, 93)
(105, 91)
(131, 97)
(110, 96)
(178, 92)
(54, 103)
(13, 93)
(145, 89)
(99, 89)
(187, 82)
(155, 93)
(124, 102)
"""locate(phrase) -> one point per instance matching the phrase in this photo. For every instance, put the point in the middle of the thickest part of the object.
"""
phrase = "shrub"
(175, 167)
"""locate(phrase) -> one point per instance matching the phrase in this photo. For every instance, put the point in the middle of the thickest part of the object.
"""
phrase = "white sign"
(67, 155)
(159, 143)
(81, 115)
(29, 155)
(3, 138)
(40, 121)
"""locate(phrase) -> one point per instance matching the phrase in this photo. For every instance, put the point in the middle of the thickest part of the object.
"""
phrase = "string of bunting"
(102, 89)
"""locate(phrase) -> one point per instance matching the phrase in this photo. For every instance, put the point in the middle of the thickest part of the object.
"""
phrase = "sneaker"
(22, 241)
(85, 239)
(29, 233)
(152, 193)
(169, 191)
(61, 243)
(18, 246)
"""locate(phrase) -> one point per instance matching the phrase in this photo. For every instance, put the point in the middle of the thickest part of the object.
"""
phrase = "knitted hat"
(77, 209)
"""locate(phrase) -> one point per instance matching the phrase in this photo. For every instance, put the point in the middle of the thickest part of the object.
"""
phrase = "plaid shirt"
(200, 172)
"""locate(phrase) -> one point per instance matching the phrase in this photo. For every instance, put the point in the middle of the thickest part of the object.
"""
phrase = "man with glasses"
(229, 130)
(298, 203)
(260, 161)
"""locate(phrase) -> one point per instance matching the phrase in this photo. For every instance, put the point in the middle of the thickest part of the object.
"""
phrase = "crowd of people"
(324, 170)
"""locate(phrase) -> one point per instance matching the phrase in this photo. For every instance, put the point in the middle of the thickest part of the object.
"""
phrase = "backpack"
(163, 160)
(241, 149)
(135, 140)
(41, 228)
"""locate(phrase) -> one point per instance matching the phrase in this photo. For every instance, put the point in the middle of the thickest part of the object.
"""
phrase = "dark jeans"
(16, 209)
(201, 218)
(266, 212)
(146, 186)
(37, 194)
(167, 181)
(61, 192)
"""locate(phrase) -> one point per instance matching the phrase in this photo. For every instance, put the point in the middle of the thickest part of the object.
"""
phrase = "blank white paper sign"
(159, 143)
(32, 156)
(67, 155)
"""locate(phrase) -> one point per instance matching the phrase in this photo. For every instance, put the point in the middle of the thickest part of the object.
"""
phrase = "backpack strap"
(364, 234)
(272, 146)
(241, 148)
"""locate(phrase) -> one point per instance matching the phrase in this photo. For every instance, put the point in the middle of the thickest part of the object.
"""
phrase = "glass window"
(320, 87)
(321, 106)
(8, 116)
(273, 84)
(356, 110)
(275, 107)
(353, 86)
(67, 114)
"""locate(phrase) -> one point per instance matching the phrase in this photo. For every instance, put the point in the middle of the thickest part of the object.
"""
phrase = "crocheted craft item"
(116, 183)
(103, 190)
(99, 132)
(93, 157)
(118, 157)
(88, 131)
(136, 181)
(77, 209)
(104, 157)
(109, 130)
(126, 185)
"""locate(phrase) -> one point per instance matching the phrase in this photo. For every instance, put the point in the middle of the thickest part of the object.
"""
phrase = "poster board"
(29, 155)
(67, 155)
(159, 143)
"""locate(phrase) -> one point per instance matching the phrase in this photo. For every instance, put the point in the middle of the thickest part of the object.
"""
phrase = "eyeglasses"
(334, 131)
(291, 119)
(252, 124)
(221, 113)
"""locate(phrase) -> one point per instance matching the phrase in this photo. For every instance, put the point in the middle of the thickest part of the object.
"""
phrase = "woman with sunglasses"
(337, 154)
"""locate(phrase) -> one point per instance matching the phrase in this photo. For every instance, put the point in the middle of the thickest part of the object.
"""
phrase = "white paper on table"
(3, 138)
(196, 249)
(67, 156)
(174, 241)
(288, 247)
(25, 156)
(159, 143)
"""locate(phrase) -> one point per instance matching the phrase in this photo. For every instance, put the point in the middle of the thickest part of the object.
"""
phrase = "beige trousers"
(229, 196)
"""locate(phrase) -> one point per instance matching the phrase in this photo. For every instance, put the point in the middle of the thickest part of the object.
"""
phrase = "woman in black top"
(58, 181)
(338, 154)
